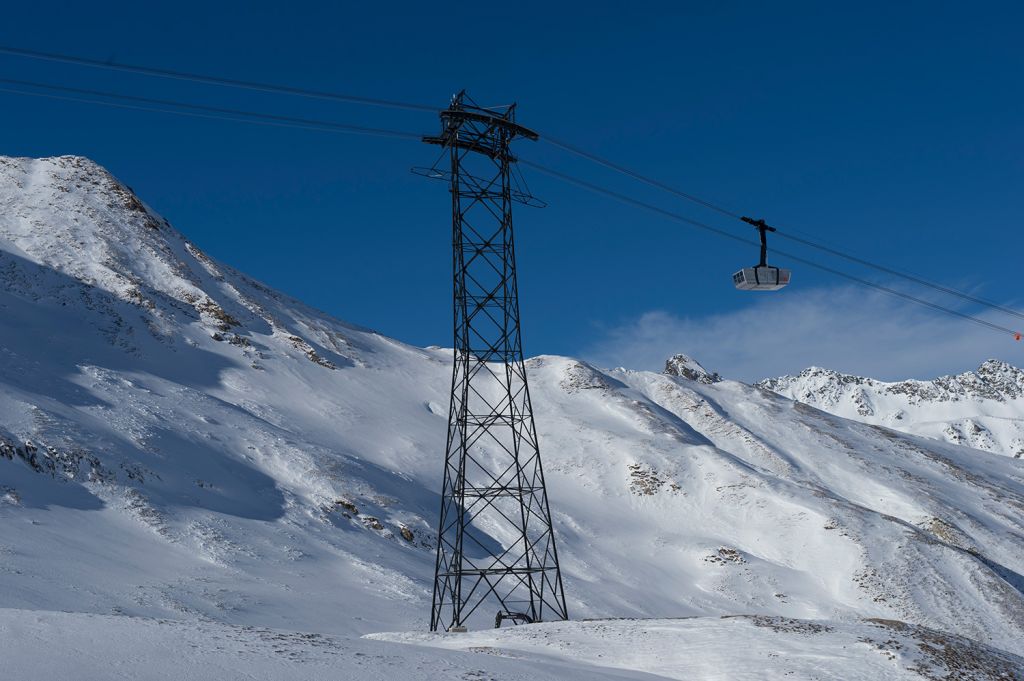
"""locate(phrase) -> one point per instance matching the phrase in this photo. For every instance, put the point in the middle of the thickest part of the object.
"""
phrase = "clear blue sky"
(893, 129)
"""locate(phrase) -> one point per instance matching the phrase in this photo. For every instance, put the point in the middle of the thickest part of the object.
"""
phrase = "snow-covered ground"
(85, 647)
(736, 648)
(185, 452)
(741, 648)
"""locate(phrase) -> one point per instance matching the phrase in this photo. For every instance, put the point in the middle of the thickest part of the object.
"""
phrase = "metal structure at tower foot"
(495, 545)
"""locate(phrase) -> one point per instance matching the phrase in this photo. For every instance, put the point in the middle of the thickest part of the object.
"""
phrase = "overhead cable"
(780, 232)
(133, 102)
(213, 80)
(730, 235)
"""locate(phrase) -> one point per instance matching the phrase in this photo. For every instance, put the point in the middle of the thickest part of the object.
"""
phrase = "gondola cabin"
(761, 278)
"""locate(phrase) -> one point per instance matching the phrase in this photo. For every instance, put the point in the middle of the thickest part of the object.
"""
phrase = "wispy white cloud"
(847, 329)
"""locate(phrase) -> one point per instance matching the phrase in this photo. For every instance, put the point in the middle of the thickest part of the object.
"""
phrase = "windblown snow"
(192, 461)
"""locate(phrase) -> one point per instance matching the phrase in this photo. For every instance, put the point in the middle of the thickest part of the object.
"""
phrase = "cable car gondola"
(762, 276)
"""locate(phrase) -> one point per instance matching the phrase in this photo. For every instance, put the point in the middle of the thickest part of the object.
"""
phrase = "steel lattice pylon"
(495, 541)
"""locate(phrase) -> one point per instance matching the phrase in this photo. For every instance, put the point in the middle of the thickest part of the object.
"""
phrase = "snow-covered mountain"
(181, 445)
(983, 409)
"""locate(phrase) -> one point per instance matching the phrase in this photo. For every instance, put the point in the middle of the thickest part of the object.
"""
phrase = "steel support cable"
(786, 235)
(565, 146)
(904, 275)
(213, 80)
(721, 232)
(196, 110)
(319, 94)
(285, 121)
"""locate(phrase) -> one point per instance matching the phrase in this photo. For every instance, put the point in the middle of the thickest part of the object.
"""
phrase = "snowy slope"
(185, 649)
(983, 409)
(180, 442)
(739, 648)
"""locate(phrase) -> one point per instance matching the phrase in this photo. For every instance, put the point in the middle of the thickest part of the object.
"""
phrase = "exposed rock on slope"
(685, 366)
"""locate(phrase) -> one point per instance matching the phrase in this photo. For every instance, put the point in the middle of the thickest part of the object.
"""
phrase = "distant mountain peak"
(687, 367)
(993, 380)
(983, 408)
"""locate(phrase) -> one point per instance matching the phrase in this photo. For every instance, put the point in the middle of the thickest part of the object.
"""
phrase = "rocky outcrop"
(687, 367)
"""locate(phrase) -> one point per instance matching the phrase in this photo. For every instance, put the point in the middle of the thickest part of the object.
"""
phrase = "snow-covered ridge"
(983, 409)
(74, 219)
(178, 441)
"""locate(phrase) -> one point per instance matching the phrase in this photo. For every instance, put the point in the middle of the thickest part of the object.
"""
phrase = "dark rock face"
(686, 367)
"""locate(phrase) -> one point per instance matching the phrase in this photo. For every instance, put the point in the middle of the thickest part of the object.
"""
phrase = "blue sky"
(893, 131)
